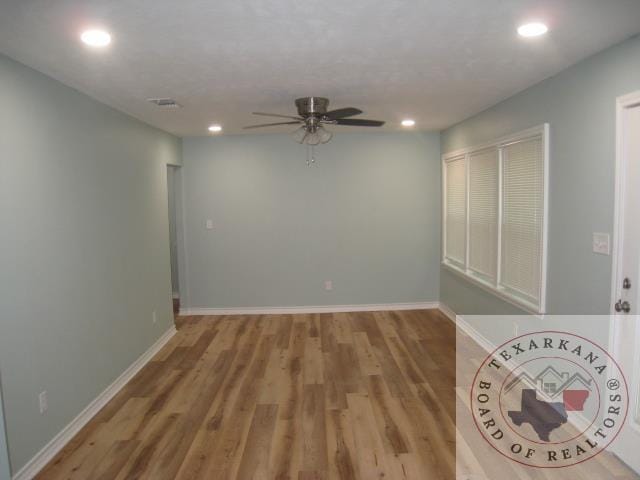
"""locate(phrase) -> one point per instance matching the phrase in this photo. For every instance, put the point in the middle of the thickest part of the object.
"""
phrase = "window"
(483, 212)
(494, 216)
(456, 202)
(522, 212)
(550, 388)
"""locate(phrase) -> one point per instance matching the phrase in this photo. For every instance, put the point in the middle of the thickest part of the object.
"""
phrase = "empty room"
(249, 239)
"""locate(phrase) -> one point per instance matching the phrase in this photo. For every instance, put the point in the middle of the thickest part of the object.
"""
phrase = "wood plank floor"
(319, 396)
(306, 397)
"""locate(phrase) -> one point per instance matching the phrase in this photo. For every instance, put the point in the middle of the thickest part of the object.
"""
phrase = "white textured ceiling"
(437, 61)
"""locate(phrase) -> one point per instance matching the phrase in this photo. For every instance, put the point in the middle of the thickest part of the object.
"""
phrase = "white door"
(626, 272)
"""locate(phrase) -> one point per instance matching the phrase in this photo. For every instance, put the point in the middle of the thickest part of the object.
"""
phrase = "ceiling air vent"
(164, 102)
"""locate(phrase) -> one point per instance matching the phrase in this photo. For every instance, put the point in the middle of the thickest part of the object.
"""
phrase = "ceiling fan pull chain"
(311, 155)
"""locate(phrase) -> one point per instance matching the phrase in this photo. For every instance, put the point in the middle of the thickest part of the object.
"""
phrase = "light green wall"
(366, 216)
(83, 247)
(579, 104)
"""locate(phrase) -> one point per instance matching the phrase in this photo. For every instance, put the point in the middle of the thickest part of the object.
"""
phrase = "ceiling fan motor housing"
(312, 105)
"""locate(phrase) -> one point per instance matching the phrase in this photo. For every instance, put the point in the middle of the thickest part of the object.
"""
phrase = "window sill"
(490, 288)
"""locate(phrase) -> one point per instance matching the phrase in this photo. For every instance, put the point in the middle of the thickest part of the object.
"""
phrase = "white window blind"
(522, 217)
(456, 210)
(483, 212)
(494, 219)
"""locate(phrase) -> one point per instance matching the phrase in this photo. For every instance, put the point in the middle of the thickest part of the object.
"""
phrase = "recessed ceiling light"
(96, 38)
(215, 128)
(408, 122)
(534, 29)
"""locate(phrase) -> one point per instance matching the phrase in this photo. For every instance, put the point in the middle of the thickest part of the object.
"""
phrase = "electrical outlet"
(328, 285)
(154, 317)
(42, 399)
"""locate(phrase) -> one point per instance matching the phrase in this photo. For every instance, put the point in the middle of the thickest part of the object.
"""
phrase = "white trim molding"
(475, 335)
(377, 307)
(447, 312)
(462, 324)
(622, 104)
(56, 444)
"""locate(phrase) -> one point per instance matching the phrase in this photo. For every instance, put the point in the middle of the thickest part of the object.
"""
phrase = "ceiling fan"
(313, 115)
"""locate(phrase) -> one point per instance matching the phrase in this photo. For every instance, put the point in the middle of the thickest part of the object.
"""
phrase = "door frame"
(5, 461)
(623, 103)
(181, 233)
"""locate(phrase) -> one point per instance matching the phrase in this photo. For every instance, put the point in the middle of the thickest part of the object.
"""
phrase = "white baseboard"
(475, 335)
(310, 309)
(450, 314)
(56, 444)
(460, 322)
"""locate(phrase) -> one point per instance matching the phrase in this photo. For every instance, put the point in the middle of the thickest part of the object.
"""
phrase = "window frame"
(494, 287)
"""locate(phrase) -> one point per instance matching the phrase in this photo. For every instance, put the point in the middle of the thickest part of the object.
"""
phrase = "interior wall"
(84, 250)
(579, 105)
(366, 216)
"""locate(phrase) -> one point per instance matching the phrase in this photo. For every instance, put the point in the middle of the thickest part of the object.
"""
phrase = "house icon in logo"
(551, 384)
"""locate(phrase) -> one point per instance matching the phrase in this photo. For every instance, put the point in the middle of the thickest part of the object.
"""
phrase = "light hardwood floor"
(321, 396)
(357, 395)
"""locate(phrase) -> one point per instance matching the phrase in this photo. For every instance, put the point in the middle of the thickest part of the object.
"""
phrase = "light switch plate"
(42, 400)
(601, 244)
(209, 224)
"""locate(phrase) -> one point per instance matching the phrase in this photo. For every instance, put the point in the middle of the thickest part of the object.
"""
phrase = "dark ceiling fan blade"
(273, 124)
(276, 115)
(359, 122)
(342, 112)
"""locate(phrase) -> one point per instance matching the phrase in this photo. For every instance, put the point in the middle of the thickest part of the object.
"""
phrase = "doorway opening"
(5, 467)
(173, 193)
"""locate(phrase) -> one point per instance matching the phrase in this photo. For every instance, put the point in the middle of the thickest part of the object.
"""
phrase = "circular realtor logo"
(549, 399)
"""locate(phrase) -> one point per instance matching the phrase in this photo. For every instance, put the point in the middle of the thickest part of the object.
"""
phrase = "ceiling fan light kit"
(312, 137)
(313, 115)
